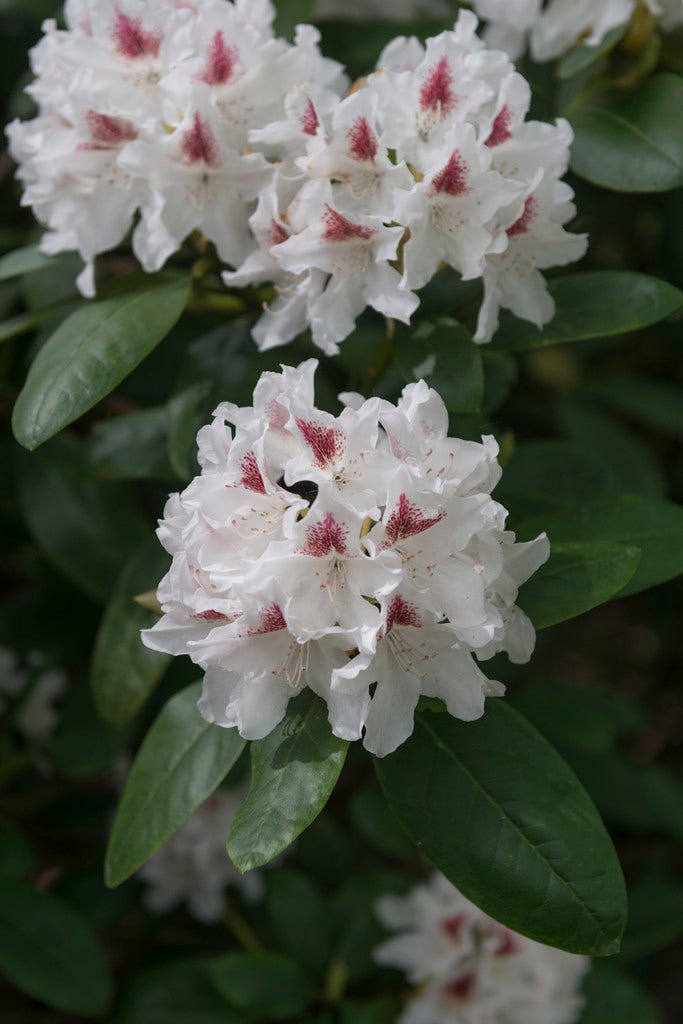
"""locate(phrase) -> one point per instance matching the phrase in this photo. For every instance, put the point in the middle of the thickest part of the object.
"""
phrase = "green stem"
(243, 932)
(335, 982)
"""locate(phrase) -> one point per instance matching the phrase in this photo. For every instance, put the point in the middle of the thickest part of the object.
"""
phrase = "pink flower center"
(199, 144)
(521, 226)
(326, 443)
(340, 229)
(453, 926)
(502, 128)
(109, 132)
(221, 61)
(452, 179)
(309, 120)
(132, 40)
(326, 537)
(363, 141)
(251, 474)
(272, 620)
(507, 945)
(436, 92)
(402, 613)
(211, 616)
(408, 519)
(462, 988)
(277, 234)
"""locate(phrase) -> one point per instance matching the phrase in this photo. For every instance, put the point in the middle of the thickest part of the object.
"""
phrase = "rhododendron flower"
(470, 969)
(554, 28)
(32, 689)
(191, 867)
(360, 555)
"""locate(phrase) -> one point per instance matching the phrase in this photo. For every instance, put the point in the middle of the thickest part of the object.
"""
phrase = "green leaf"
(629, 459)
(656, 404)
(131, 447)
(89, 354)
(86, 528)
(291, 13)
(123, 671)
(358, 931)
(381, 1010)
(577, 577)
(444, 355)
(23, 261)
(613, 996)
(178, 992)
(48, 951)
(262, 983)
(656, 527)
(580, 58)
(498, 811)
(655, 917)
(631, 141)
(594, 304)
(531, 483)
(372, 818)
(181, 762)
(298, 913)
(185, 414)
(17, 859)
(583, 716)
(294, 770)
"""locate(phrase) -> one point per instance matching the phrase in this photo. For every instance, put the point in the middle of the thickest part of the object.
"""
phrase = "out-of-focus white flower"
(148, 106)
(469, 968)
(192, 867)
(36, 688)
(427, 163)
(340, 552)
(554, 28)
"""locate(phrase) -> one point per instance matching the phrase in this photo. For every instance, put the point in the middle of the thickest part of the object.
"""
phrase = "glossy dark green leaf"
(89, 354)
(583, 716)
(443, 354)
(654, 526)
(86, 528)
(266, 984)
(48, 951)
(594, 304)
(294, 770)
(499, 812)
(577, 577)
(123, 671)
(531, 484)
(131, 447)
(613, 996)
(631, 140)
(655, 917)
(182, 761)
(582, 57)
(177, 992)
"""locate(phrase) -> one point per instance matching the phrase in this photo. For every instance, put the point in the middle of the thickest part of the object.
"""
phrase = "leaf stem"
(243, 932)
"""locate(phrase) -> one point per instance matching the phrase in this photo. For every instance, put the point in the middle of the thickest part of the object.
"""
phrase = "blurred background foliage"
(604, 687)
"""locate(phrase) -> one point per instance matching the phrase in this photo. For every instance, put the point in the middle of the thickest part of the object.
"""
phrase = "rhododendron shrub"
(342, 418)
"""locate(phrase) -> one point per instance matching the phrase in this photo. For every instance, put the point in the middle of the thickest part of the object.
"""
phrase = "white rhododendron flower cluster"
(194, 117)
(147, 106)
(360, 555)
(428, 162)
(191, 868)
(471, 969)
(35, 689)
(552, 29)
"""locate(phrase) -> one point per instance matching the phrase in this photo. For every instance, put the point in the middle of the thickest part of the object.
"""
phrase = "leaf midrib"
(479, 785)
